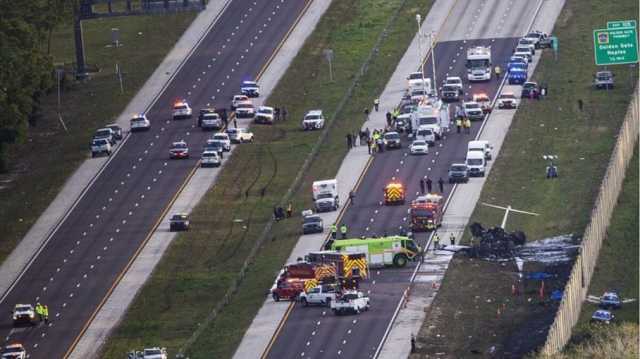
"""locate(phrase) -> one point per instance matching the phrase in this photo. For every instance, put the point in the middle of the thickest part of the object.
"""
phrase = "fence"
(576, 288)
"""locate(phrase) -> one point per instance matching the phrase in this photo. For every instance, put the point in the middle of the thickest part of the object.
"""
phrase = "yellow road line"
(280, 326)
(130, 263)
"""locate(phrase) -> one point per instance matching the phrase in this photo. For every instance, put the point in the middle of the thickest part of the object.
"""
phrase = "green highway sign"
(621, 24)
(615, 46)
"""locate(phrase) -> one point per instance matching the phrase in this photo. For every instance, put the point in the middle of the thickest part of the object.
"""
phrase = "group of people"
(436, 240)
(42, 311)
(334, 231)
(279, 212)
(426, 184)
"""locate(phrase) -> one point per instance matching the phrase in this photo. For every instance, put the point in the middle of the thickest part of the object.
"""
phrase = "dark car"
(458, 172)
(215, 146)
(451, 93)
(117, 131)
(203, 112)
(312, 224)
(179, 222)
(403, 124)
(602, 316)
(610, 300)
(392, 140)
(106, 134)
(530, 89)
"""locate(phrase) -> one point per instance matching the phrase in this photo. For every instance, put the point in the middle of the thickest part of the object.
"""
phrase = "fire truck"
(426, 212)
(324, 267)
(394, 193)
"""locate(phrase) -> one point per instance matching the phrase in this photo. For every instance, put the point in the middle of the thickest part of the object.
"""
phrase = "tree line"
(26, 67)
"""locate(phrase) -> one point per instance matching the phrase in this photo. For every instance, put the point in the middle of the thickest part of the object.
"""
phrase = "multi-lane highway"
(316, 332)
(82, 261)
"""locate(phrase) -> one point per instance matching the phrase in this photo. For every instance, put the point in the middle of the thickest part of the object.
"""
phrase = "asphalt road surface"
(81, 262)
(316, 332)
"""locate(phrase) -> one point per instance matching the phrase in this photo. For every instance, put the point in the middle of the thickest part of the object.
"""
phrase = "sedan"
(419, 147)
(179, 150)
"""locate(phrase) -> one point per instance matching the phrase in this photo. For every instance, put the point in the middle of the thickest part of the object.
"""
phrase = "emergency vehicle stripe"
(350, 264)
(310, 284)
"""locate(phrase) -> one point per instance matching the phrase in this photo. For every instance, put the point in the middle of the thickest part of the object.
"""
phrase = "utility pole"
(433, 62)
(420, 59)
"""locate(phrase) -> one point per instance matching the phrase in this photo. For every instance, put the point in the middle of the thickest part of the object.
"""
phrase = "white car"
(530, 43)
(264, 115)
(419, 94)
(313, 120)
(454, 81)
(245, 110)
(238, 99)
(507, 100)
(240, 135)
(224, 138)
(415, 79)
(140, 122)
(154, 353)
(250, 88)
(14, 351)
(210, 158)
(181, 109)
(24, 313)
(426, 134)
(419, 147)
(473, 110)
(524, 53)
(179, 150)
(100, 146)
(350, 302)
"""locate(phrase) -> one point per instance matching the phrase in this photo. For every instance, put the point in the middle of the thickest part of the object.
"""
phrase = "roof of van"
(475, 154)
(478, 143)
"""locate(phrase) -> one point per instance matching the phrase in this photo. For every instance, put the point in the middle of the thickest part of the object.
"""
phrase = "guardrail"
(576, 288)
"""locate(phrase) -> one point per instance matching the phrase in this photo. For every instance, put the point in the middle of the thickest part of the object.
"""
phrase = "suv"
(426, 134)
(264, 115)
(391, 140)
(154, 353)
(140, 123)
(179, 150)
(240, 135)
(238, 99)
(473, 110)
(105, 133)
(179, 222)
(100, 145)
(210, 158)
(451, 93)
(210, 121)
(458, 172)
(250, 89)
(117, 131)
(224, 138)
(215, 145)
(603, 80)
(245, 110)
(24, 313)
(507, 100)
(181, 109)
(313, 120)
(529, 89)
(312, 223)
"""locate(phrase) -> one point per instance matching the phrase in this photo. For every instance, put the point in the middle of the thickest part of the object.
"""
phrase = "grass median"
(200, 265)
(474, 311)
(49, 155)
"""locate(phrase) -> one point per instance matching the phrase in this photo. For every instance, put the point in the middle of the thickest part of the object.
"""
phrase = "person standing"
(352, 196)
(235, 122)
(349, 141)
(334, 231)
(422, 185)
(284, 113)
(39, 311)
(429, 183)
(289, 210)
(366, 114)
(436, 242)
(467, 125)
(388, 116)
(369, 145)
(498, 71)
(441, 185)
(343, 231)
(376, 104)
(45, 314)
(452, 239)
(458, 124)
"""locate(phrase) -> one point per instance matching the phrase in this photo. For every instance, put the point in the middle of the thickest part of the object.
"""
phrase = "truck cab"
(479, 63)
(476, 163)
(291, 280)
(426, 212)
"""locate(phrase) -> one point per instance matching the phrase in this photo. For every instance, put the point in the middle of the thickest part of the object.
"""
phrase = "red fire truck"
(426, 212)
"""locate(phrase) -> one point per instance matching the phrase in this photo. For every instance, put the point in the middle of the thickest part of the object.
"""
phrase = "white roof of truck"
(478, 52)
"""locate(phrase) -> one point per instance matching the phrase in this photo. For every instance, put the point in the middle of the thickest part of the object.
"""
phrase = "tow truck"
(484, 101)
(426, 212)
(394, 193)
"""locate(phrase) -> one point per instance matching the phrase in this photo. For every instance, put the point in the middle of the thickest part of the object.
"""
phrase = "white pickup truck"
(350, 302)
(319, 295)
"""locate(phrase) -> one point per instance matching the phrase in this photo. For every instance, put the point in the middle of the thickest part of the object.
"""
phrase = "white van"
(476, 163)
(482, 147)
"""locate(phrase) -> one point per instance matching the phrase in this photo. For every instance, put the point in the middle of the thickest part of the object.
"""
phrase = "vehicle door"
(313, 295)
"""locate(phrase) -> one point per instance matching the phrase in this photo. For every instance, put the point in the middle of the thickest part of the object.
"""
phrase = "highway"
(82, 261)
(315, 332)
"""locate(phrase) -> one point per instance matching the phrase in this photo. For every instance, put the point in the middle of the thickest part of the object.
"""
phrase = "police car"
(140, 122)
(507, 100)
(517, 76)
(14, 351)
(24, 314)
(179, 150)
(181, 109)
(250, 89)
(224, 139)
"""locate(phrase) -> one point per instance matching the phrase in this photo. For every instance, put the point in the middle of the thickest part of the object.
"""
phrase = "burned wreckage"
(494, 243)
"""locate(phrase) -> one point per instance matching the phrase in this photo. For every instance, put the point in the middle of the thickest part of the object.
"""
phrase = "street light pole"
(433, 63)
(420, 59)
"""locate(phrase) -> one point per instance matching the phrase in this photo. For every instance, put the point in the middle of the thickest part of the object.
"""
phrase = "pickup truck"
(319, 295)
(350, 302)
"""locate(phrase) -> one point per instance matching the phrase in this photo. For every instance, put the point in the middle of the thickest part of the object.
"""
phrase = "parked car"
(610, 300)
(602, 316)
(458, 172)
(240, 135)
(140, 122)
(179, 222)
(312, 223)
(100, 146)
(250, 89)
(210, 159)
(117, 131)
(105, 133)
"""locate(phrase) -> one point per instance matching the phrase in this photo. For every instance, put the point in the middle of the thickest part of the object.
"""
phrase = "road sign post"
(615, 46)
(555, 44)
(328, 54)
